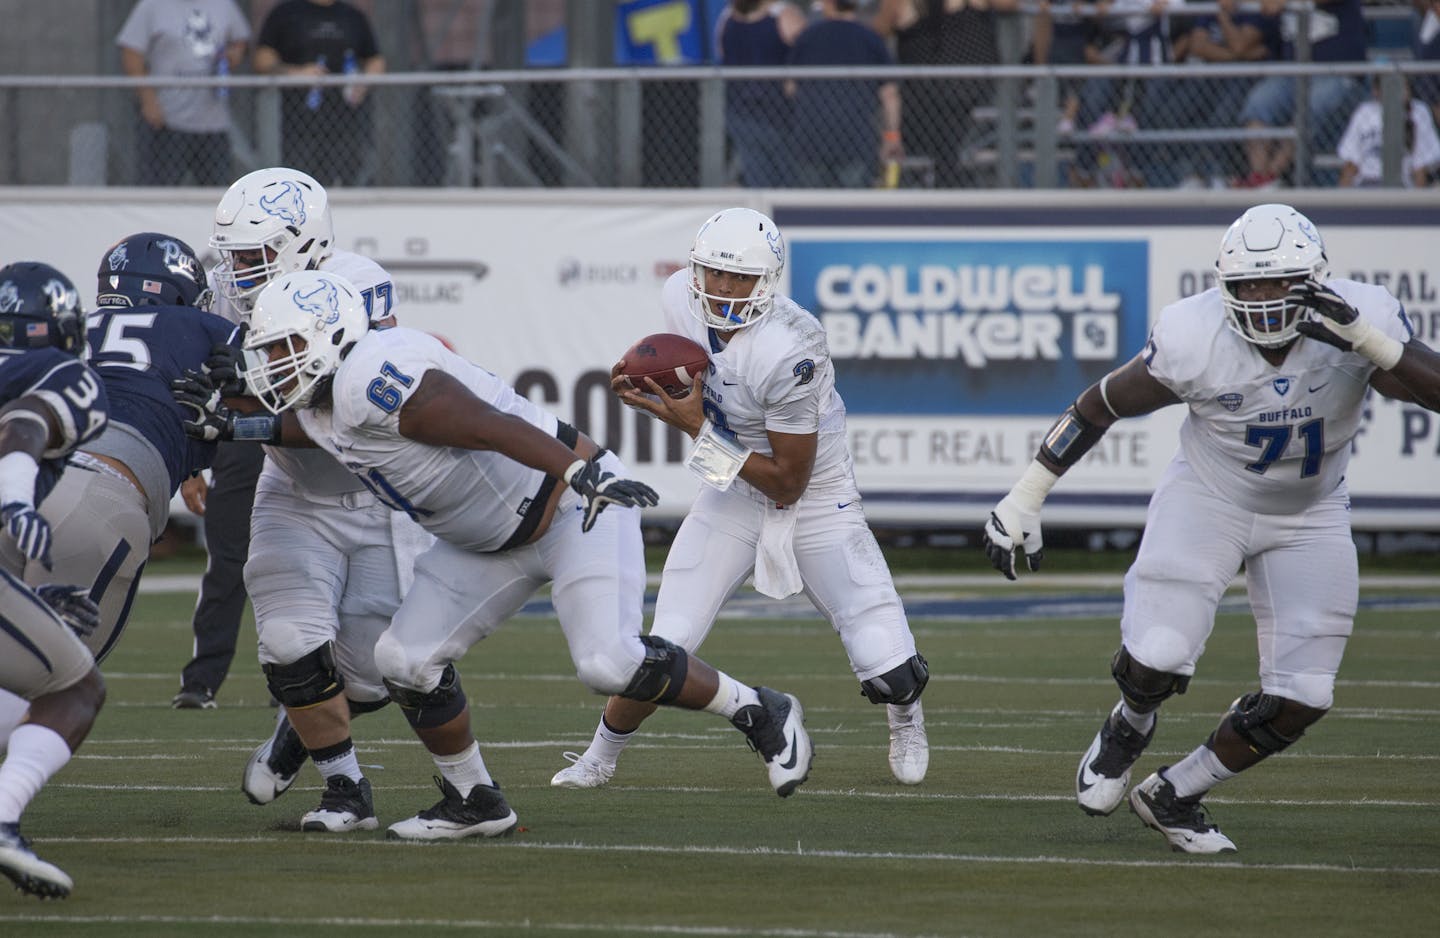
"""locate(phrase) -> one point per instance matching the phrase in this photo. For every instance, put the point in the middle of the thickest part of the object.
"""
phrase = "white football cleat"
(584, 772)
(909, 746)
(274, 765)
(775, 729)
(345, 805)
(483, 813)
(30, 874)
(1181, 820)
(1104, 771)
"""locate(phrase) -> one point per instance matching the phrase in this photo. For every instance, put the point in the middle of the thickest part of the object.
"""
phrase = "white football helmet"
(1268, 242)
(302, 326)
(742, 241)
(279, 209)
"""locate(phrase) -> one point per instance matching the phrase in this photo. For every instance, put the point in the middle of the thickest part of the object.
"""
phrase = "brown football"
(672, 360)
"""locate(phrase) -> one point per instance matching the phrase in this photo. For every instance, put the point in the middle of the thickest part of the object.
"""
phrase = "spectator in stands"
(1337, 34)
(1427, 48)
(757, 113)
(1065, 38)
(937, 113)
(326, 131)
(183, 131)
(1362, 144)
(1231, 37)
(834, 135)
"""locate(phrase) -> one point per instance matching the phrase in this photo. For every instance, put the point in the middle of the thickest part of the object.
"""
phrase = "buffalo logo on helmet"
(323, 302)
(288, 204)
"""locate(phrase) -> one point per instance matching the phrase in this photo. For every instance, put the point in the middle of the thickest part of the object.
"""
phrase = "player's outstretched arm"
(28, 427)
(1415, 377)
(444, 412)
(1129, 391)
(1408, 371)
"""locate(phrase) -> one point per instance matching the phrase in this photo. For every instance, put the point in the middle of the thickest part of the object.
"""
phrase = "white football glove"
(1015, 522)
(29, 529)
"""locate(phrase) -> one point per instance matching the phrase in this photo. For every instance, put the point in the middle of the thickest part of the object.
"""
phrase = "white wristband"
(17, 478)
(716, 458)
(1029, 493)
(1380, 348)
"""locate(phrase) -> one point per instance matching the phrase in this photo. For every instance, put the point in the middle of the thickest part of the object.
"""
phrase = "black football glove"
(226, 368)
(600, 488)
(74, 607)
(1336, 319)
(29, 529)
(207, 418)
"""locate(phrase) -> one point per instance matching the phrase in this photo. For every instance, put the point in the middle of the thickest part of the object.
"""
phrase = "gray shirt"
(186, 37)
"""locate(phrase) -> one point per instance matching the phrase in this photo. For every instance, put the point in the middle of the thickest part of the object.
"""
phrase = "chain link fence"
(1159, 126)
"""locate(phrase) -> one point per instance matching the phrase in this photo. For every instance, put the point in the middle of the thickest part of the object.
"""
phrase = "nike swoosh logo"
(1318, 387)
(1085, 781)
(728, 384)
(745, 722)
(794, 755)
(844, 504)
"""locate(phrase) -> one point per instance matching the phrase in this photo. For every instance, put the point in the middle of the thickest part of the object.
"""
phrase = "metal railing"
(998, 127)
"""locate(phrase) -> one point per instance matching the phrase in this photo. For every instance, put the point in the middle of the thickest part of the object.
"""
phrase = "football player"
(328, 560)
(515, 498)
(1273, 365)
(781, 498)
(53, 403)
(145, 332)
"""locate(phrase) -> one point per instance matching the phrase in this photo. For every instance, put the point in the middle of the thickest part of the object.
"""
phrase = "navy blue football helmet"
(40, 308)
(151, 269)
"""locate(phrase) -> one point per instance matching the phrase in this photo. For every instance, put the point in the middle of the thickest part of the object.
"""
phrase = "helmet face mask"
(737, 241)
(301, 328)
(152, 269)
(269, 223)
(40, 308)
(1272, 243)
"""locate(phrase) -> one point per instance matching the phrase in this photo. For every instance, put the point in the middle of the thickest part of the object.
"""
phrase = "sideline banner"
(958, 335)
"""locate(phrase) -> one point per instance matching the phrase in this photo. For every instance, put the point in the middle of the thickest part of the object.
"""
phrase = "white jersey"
(775, 374)
(474, 499)
(313, 471)
(1273, 439)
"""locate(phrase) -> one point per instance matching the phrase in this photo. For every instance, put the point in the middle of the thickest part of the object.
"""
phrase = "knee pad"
(900, 685)
(1144, 688)
(426, 709)
(311, 679)
(359, 707)
(1269, 724)
(662, 673)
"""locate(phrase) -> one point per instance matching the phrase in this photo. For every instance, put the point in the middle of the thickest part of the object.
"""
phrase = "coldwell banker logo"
(997, 327)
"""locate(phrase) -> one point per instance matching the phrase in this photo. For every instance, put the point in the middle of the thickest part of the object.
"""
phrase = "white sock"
(36, 753)
(896, 714)
(607, 743)
(13, 708)
(1197, 773)
(464, 770)
(1141, 721)
(344, 763)
(730, 696)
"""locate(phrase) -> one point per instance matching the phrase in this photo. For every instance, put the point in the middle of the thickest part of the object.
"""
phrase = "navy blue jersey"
(138, 351)
(72, 391)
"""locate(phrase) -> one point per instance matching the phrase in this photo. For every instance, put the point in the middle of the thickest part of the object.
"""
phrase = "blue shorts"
(1272, 100)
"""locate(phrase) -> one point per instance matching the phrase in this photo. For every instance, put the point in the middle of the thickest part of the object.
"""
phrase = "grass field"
(1340, 835)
